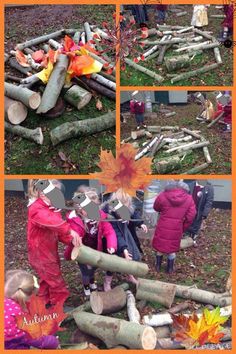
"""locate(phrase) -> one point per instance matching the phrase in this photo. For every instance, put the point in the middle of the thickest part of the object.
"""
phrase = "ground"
(207, 265)
(25, 157)
(222, 76)
(220, 142)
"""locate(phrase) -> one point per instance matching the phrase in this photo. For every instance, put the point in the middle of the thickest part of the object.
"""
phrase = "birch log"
(146, 149)
(190, 146)
(94, 85)
(217, 55)
(88, 32)
(35, 135)
(15, 111)
(86, 255)
(155, 146)
(132, 311)
(29, 98)
(39, 40)
(102, 80)
(82, 128)
(76, 37)
(54, 85)
(148, 72)
(192, 133)
(113, 331)
(168, 164)
(15, 65)
(193, 73)
(162, 53)
(138, 134)
(77, 96)
(54, 44)
(112, 301)
(203, 46)
(204, 34)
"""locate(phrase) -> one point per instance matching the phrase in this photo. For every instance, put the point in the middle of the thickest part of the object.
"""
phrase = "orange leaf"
(39, 321)
(123, 171)
(90, 49)
(99, 105)
(21, 58)
(68, 43)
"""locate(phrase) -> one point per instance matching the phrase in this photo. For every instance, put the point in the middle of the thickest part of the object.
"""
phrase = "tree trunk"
(39, 40)
(82, 128)
(146, 149)
(54, 85)
(193, 73)
(132, 311)
(35, 135)
(216, 120)
(77, 96)
(196, 169)
(15, 65)
(102, 80)
(111, 301)
(94, 85)
(150, 290)
(113, 331)
(148, 72)
(15, 111)
(29, 98)
(86, 255)
(177, 63)
(190, 132)
(186, 242)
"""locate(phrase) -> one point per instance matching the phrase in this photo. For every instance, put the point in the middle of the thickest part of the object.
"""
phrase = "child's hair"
(124, 197)
(19, 285)
(33, 193)
(88, 191)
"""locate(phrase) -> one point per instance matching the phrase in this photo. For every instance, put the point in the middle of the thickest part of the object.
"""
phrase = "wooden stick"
(88, 32)
(204, 34)
(146, 149)
(148, 72)
(207, 155)
(103, 81)
(196, 169)
(215, 120)
(35, 135)
(155, 146)
(190, 132)
(204, 45)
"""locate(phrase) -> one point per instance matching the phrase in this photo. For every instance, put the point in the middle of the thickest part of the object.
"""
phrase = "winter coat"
(104, 230)
(200, 17)
(139, 107)
(45, 229)
(177, 211)
(229, 19)
(205, 201)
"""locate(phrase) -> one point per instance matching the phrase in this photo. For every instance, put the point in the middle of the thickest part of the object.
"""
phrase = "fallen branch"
(196, 169)
(35, 135)
(39, 40)
(148, 72)
(189, 74)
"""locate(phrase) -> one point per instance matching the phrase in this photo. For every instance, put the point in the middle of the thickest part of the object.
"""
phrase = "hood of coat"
(176, 197)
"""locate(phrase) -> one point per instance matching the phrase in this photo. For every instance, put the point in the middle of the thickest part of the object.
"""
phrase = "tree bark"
(162, 53)
(15, 65)
(15, 111)
(102, 80)
(193, 73)
(111, 301)
(186, 242)
(86, 255)
(35, 135)
(148, 72)
(94, 85)
(82, 128)
(54, 85)
(113, 331)
(215, 120)
(29, 98)
(150, 290)
(77, 96)
(168, 164)
(39, 40)
(177, 63)
(196, 169)
(132, 311)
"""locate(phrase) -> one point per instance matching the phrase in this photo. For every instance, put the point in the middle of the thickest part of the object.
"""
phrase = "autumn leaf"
(39, 321)
(21, 58)
(123, 171)
(99, 105)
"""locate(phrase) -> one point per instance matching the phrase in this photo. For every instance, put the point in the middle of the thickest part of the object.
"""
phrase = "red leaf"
(144, 29)
(96, 36)
(91, 42)
(136, 60)
(142, 44)
(142, 57)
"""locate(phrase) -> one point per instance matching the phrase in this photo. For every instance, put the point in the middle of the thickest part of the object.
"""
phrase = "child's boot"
(107, 282)
(93, 286)
(158, 263)
(170, 266)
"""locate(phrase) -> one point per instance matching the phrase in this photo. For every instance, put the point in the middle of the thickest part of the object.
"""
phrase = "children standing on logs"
(19, 287)
(98, 235)
(46, 229)
(176, 210)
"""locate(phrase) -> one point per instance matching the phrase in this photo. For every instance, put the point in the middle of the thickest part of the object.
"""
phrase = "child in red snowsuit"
(228, 22)
(45, 229)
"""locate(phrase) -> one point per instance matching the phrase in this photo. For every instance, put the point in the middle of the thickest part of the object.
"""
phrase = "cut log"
(57, 110)
(204, 34)
(193, 73)
(132, 311)
(177, 63)
(108, 76)
(86, 255)
(35, 135)
(168, 27)
(12, 78)
(54, 85)
(146, 71)
(217, 55)
(33, 79)
(162, 53)
(155, 146)
(54, 44)
(168, 343)
(32, 63)
(216, 120)
(152, 56)
(171, 114)
(203, 46)
(88, 32)
(6, 57)
(186, 243)
(150, 32)
(168, 164)
(158, 129)
(162, 332)
(180, 307)
(183, 30)
(124, 141)
(111, 301)
(138, 134)
(94, 85)
(192, 133)
(179, 14)
(196, 169)
(76, 37)
(82, 128)
(15, 111)
(113, 331)
(39, 40)
(146, 149)
(151, 291)
(150, 51)
(102, 80)
(77, 96)
(178, 140)
(29, 98)
(207, 154)
(190, 146)
(15, 65)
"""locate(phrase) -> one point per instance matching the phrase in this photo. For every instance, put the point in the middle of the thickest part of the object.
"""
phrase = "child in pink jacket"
(98, 235)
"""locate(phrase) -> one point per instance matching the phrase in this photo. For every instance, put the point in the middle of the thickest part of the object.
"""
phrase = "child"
(128, 243)
(227, 109)
(45, 229)
(161, 13)
(19, 287)
(199, 18)
(228, 22)
(97, 235)
(208, 111)
(177, 211)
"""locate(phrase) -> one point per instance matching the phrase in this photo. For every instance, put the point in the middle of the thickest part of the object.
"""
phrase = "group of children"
(47, 227)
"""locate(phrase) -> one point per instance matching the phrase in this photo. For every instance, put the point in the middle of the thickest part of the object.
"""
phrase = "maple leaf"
(21, 58)
(123, 171)
(39, 321)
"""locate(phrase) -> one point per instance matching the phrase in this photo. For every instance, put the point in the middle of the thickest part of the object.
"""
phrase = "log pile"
(32, 85)
(173, 143)
(176, 46)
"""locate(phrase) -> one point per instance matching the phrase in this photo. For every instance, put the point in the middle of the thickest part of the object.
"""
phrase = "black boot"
(158, 263)
(170, 266)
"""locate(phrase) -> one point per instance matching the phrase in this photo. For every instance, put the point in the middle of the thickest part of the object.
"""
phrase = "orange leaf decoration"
(123, 171)
(68, 43)
(21, 58)
(90, 49)
(39, 321)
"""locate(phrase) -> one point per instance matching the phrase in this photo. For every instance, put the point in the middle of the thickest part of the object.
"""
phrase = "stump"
(15, 111)
(77, 96)
(111, 301)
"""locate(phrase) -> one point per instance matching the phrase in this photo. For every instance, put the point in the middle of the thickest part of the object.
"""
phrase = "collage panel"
(59, 88)
(174, 254)
(177, 45)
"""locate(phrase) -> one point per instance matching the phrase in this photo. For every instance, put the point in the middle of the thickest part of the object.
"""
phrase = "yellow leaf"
(44, 74)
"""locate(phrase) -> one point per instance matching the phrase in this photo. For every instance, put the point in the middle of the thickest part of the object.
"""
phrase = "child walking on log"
(19, 286)
(45, 229)
(98, 235)
(177, 211)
